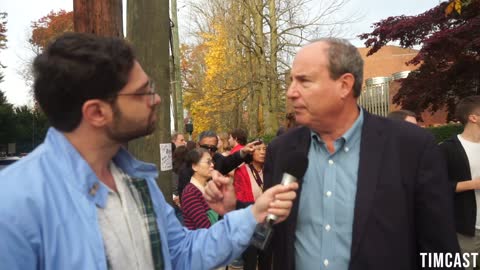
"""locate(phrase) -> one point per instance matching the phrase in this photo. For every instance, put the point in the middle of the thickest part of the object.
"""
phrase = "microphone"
(295, 165)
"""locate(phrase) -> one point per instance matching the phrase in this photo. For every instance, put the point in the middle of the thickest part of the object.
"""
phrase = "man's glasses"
(211, 148)
(151, 92)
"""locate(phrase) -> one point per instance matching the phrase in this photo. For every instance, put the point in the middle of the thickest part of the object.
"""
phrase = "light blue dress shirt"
(48, 215)
(323, 237)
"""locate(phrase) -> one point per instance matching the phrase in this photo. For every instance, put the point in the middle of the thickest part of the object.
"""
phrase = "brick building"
(381, 73)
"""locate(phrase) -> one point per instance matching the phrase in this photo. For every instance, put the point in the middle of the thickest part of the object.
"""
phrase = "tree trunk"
(103, 18)
(253, 108)
(263, 78)
(148, 30)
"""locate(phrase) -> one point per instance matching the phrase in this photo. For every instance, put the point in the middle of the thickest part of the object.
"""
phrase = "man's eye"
(304, 80)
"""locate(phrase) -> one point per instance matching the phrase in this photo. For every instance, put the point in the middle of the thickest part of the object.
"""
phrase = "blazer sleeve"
(435, 228)
(266, 261)
(229, 163)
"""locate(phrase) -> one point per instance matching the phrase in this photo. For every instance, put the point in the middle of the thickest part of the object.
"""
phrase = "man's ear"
(97, 112)
(473, 118)
(346, 84)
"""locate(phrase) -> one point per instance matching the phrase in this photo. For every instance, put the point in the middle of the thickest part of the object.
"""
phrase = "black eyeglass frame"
(151, 93)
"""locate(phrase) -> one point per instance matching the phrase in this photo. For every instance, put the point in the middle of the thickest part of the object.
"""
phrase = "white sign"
(165, 156)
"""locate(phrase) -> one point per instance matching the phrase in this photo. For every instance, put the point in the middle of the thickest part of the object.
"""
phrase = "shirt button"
(93, 189)
(346, 149)
(327, 228)
(330, 162)
(329, 193)
(325, 262)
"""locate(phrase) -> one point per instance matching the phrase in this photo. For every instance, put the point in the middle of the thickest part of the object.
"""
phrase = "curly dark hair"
(78, 67)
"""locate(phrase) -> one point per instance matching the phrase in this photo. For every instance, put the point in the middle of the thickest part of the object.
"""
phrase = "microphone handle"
(286, 179)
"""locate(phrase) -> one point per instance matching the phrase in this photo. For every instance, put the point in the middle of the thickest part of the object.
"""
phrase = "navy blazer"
(403, 204)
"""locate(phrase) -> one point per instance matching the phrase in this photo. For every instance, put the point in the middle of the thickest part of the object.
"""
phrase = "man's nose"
(292, 91)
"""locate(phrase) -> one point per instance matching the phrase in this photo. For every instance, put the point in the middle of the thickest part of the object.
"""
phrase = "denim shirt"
(48, 215)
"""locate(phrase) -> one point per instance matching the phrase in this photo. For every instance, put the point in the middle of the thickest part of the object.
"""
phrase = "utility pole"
(177, 81)
(148, 28)
(102, 18)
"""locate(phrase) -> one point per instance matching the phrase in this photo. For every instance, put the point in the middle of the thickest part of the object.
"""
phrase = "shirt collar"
(81, 175)
(352, 134)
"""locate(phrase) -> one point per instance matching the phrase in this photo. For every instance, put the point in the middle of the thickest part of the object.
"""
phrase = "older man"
(375, 194)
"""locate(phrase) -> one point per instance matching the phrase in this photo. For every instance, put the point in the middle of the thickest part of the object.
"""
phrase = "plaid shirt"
(140, 192)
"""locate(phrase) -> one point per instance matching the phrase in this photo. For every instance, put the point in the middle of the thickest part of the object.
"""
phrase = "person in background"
(196, 212)
(223, 145)
(178, 159)
(224, 164)
(462, 152)
(289, 123)
(80, 200)
(178, 139)
(237, 139)
(248, 183)
(404, 115)
(248, 178)
(191, 145)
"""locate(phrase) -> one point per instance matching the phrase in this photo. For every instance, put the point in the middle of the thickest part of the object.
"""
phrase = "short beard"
(122, 136)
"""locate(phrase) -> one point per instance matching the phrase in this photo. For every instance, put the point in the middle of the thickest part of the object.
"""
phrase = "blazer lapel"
(298, 142)
(301, 143)
(371, 152)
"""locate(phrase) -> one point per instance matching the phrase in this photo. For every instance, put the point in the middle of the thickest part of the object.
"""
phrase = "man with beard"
(81, 201)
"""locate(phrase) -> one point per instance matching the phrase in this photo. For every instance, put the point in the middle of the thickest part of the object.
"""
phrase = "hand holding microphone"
(295, 165)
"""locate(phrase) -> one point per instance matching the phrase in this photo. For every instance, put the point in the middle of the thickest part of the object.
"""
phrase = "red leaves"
(48, 27)
(450, 53)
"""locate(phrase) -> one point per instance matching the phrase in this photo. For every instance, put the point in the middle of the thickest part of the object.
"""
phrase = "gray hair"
(207, 134)
(343, 58)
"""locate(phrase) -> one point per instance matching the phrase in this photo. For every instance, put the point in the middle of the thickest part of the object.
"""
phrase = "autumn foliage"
(50, 26)
(216, 93)
(449, 36)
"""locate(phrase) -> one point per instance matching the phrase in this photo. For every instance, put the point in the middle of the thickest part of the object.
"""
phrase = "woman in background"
(196, 213)
(248, 178)
(248, 182)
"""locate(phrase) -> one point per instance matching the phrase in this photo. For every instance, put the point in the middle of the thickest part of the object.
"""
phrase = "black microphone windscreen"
(295, 164)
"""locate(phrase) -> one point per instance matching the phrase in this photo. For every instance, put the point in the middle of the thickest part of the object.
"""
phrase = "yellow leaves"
(209, 105)
(454, 5)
